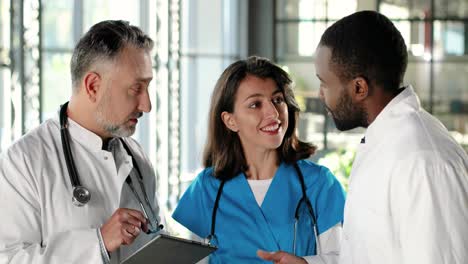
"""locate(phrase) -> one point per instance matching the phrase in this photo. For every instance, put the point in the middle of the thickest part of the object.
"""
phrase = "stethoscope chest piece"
(81, 196)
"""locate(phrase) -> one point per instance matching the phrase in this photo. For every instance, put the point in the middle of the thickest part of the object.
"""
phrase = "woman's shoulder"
(312, 167)
(206, 178)
(201, 189)
(206, 174)
(314, 172)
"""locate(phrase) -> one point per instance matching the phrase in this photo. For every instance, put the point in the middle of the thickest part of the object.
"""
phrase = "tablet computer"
(168, 249)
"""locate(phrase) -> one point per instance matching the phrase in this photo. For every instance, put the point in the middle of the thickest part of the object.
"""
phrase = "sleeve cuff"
(104, 254)
(313, 259)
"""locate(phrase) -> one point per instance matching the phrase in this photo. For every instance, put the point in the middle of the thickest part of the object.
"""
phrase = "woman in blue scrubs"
(257, 185)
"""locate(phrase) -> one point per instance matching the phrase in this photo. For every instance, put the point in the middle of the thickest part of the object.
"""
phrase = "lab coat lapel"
(124, 166)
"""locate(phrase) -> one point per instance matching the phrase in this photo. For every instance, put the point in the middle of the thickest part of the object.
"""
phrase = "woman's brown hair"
(223, 149)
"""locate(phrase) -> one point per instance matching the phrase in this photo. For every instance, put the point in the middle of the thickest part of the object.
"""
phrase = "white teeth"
(271, 128)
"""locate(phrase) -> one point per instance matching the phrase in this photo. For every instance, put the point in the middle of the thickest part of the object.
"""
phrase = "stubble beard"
(115, 130)
(348, 115)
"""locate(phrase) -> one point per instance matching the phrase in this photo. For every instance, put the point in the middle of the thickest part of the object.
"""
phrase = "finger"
(129, 230)
(137, 214)
(272, 256)
(130, 219)
(143, 222)
(145, 226)
(128, 240)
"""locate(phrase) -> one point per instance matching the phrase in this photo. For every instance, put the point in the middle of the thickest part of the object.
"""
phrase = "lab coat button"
(105, 157)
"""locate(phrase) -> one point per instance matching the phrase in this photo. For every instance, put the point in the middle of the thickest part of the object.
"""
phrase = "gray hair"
(104, 41)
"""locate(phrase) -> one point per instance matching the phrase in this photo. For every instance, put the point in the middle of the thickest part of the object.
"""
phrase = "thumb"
(272, 256)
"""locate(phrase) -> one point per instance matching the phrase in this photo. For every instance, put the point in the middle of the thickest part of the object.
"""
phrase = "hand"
(280, 257)
(122, 228)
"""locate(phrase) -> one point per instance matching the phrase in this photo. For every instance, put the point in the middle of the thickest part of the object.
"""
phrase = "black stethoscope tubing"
(72, 172)
(81, 195)
(296, 214)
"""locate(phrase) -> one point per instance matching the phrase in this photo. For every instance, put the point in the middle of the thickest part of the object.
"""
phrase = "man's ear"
(92, 83)
(360, 89)
(229, 121)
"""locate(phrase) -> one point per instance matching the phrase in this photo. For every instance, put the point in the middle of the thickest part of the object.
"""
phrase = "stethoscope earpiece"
(81, 196)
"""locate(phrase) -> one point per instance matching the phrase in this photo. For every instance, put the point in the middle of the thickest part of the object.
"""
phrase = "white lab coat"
(39, 223)
(408, 194)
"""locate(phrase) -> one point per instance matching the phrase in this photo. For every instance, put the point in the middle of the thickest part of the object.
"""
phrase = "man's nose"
(145, 102)
(321, 95)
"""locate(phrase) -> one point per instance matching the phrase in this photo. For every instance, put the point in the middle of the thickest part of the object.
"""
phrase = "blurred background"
(195, 40)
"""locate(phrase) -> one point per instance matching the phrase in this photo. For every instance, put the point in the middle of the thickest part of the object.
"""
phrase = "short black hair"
(104, 41)
(367, 44)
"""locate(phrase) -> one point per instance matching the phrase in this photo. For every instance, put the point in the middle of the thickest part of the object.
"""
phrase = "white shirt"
(259, 189)
(39, 223)
(329, 240)
(408, 193)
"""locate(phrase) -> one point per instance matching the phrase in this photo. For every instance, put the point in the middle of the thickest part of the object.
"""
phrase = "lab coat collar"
(406, 101)
(84, 136)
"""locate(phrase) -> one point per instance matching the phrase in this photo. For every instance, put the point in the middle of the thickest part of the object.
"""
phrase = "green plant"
(340, 163)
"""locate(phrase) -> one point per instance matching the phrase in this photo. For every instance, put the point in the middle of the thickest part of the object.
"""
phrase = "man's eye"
(136, 88)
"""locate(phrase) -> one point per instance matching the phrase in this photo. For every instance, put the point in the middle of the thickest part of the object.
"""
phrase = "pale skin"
(260, 118)
(123, 85)
(280, 257)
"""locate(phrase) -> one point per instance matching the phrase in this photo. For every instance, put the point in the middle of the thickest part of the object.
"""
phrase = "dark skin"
(369, 100)
(373, 100)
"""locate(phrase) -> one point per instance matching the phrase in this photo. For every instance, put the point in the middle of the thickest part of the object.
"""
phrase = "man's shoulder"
(40, 137)
(425, 140)
(420, 131)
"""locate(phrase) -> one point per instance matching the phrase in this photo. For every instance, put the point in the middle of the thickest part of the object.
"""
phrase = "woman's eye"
(278, 100)
(254, 105)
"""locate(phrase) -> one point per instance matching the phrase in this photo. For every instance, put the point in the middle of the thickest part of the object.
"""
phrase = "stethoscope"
(304, 199)
(81, 194)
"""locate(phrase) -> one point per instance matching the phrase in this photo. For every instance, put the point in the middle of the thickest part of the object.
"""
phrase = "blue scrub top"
(243, 227)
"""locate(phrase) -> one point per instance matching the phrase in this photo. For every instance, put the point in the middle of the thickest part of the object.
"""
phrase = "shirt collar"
(83, 136)
(406, 101)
